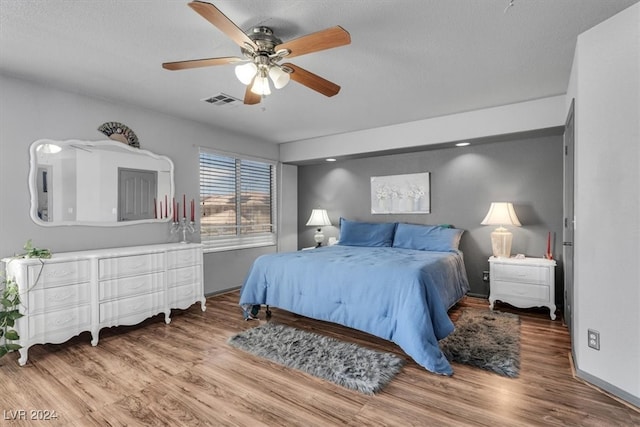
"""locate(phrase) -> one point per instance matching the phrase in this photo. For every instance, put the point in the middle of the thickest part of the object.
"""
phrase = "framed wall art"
(401, 194)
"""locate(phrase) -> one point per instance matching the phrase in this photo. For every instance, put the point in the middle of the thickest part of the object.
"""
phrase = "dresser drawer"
(184, 276)
(139, 306)
(42, 300)
(134, 285)
(109, 268)
(59, 326)
(520, 290)
(58, 273)
(183, 296)
(520, 273)
(184, 257)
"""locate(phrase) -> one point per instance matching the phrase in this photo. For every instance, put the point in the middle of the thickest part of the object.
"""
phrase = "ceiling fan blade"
(325, 39)
(313, 81)
(224, 24)
(251, 98)
(197, 63)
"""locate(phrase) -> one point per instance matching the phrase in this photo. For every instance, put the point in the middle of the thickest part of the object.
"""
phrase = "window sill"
(236, 247)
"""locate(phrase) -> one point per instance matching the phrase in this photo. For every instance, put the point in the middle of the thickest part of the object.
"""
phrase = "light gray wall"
(605, 82)
(288, 207)
(464, 181)
(30, 111)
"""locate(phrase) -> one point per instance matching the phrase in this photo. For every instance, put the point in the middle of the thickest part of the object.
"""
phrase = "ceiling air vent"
(222, 100)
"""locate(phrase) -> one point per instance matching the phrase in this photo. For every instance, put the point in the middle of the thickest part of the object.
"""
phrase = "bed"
(394, 281)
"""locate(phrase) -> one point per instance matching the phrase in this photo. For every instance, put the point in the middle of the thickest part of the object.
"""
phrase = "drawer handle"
(138, 285)
(59, 273)
(61, 296)
(136, 306)
(64, 321)
(134, 266)
(185, 276)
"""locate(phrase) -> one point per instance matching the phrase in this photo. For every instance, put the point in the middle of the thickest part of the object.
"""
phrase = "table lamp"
(501, 214)
(319, 218)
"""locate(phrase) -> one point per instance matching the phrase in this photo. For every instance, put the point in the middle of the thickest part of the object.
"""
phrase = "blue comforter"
(401, 295)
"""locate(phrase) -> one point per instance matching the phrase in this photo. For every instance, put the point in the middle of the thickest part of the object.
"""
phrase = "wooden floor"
(185, 374)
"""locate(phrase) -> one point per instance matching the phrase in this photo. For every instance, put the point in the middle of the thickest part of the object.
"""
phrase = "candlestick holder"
(183, 226)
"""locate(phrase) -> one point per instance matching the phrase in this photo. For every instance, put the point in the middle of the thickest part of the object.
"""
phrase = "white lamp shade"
(501, 213)
(246, 72)
(280, 78)
(319, 218)
(261, 86)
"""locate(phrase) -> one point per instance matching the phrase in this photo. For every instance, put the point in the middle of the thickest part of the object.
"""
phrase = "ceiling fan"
(262, 52)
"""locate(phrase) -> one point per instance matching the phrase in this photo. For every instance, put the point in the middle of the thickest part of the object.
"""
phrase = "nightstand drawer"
(520, 290)
(520, 273)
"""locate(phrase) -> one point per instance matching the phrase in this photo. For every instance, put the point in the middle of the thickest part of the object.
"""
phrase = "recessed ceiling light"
(462, 144)
(330, 159)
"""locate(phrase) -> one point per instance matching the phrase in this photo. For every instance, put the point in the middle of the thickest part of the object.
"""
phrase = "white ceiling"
(408, 59)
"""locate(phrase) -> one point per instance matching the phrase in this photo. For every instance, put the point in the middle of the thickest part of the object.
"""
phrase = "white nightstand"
(523, 282)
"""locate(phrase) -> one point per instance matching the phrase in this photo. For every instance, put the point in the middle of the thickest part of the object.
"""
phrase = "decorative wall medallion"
(119, 132)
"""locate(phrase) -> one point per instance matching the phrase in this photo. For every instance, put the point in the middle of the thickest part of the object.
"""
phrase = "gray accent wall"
(464, 182)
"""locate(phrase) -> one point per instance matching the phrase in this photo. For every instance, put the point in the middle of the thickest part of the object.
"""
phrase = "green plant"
(9, 313)
(34, 252)
(10, 302)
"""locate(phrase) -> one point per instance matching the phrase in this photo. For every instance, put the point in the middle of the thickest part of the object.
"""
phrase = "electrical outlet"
(593, 339)
(485, 276)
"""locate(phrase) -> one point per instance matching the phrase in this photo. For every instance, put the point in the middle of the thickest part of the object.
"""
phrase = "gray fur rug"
(486, 339)
(346, 364)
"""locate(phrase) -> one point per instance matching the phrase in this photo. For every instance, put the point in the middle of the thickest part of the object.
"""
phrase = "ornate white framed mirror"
(98, 183)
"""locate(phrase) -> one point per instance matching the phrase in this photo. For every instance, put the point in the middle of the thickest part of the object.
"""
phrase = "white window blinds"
(237, 201)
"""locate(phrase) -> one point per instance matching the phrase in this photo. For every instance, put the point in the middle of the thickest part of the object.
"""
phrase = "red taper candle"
(549, 245)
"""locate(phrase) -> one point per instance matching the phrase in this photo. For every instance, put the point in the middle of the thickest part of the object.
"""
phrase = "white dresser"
(523, 282)
(74, 292)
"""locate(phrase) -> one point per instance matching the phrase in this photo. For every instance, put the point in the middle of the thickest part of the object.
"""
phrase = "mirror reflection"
(98, 183)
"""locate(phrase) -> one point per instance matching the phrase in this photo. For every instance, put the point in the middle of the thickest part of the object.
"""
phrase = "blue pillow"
(427, 237)
(356, 233)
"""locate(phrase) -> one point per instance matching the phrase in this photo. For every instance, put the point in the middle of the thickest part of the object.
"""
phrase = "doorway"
(43, 183)
(136, 193)
(569, 216)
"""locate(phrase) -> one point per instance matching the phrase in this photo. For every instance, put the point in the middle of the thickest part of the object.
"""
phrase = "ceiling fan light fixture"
(262, 51)
(279, 76)
(246, 72)
(261, 86)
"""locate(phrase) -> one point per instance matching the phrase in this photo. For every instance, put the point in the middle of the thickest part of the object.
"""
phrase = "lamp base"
(319, 238)
(501, 242)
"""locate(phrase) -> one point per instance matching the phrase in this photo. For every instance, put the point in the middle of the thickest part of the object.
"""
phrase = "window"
(237, 200)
